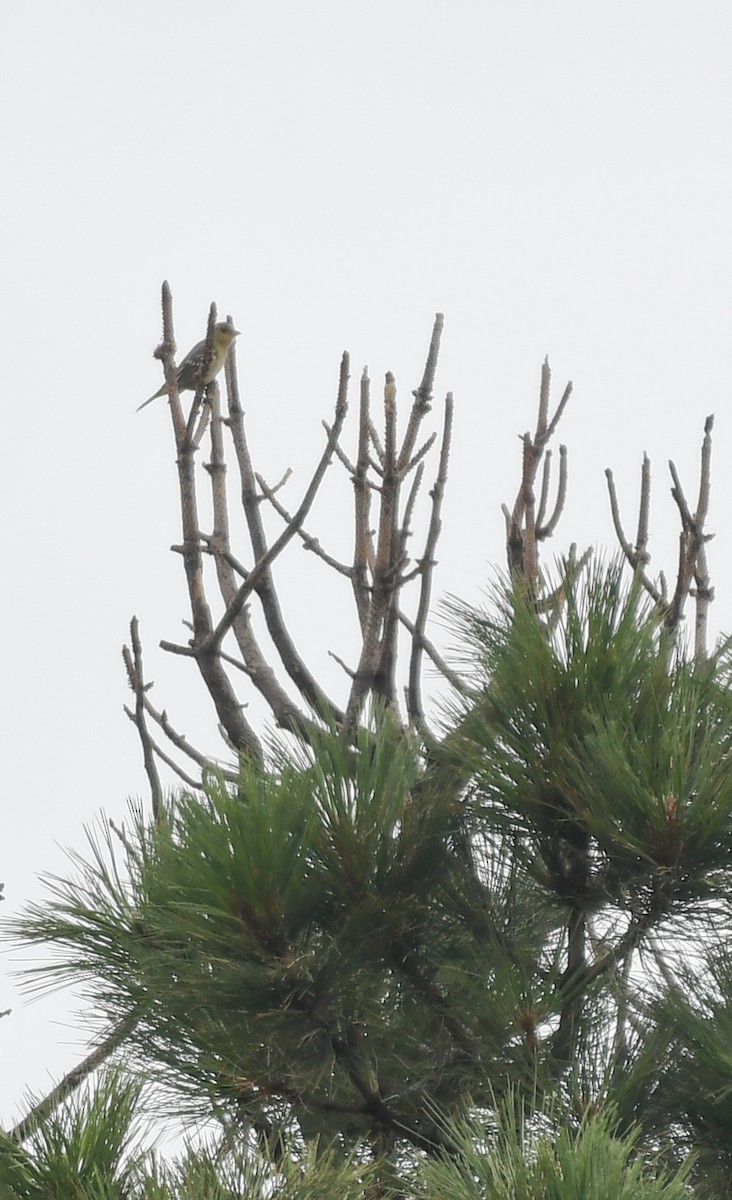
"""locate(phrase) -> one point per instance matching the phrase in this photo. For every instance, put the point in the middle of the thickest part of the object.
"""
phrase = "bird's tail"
(161, 392)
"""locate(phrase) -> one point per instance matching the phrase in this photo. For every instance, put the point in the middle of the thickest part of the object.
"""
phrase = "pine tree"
(470, 949)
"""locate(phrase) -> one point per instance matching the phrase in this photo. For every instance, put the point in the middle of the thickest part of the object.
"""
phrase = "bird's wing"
(189, 368)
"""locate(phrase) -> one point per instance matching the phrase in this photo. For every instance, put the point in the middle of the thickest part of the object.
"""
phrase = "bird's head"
(224, 333)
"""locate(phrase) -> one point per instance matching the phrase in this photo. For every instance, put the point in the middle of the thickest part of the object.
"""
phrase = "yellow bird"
(189, 376)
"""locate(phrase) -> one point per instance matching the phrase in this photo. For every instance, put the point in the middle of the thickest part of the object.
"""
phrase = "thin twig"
(406, 530)
(309, 542)
(136, 678)
(420, 454)
(433, 653)
(348, 670)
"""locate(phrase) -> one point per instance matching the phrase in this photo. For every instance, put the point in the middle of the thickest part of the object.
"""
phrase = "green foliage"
(308, 942)
(599, 735)
(358, 937)
(84, 1155)
(528, 1163)
(83, 1151)
(209, 1175)
(86, 1151)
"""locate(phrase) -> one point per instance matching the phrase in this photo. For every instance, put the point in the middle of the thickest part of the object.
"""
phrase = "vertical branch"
(422, 394)
(265, 587)
(261, 674)
(524, 530)
(692, 551)
(136, 678)
(209, 661)
(427, 566)
(387, 565)
(166, 352)
(543, 416)
(637, 556)
(572, 984)
(546, 473)
(644, 510)
(692, 562)
(363, 551)
(368, 675)
(704, 592)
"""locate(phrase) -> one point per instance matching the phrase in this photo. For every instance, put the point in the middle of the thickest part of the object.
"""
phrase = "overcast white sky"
(554, 176)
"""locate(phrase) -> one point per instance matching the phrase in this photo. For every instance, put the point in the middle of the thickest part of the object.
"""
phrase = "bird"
(189, 372)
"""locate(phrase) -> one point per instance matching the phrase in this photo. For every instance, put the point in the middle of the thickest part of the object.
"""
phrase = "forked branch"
(692, 574)
(525, 526)
(381, 467)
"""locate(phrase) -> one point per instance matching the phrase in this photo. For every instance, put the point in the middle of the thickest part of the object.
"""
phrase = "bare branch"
(559, 413)
(176, 648)
(692, 552)
(178, 739)
(422, 395)
(212, 547)
(261, 568)
(131, 851)
(427, 563)
(644, 510)
(209, 663)
(543, 417)
(635, 558)
(193, 435)
(523, 529)
(348, 670)
(406, 532)
(377, 573)
(376, 441)
(417, 458)
(692, 562)
(166, 352)
(278, 486)
(363, 546)
(256, 666)
(546, 472)
(136, 679)
(195, 785)
(452, 677)
(546, 531)
(340, 452)
(309, 542)
(260, 577)
(374, 671)
(625, 545)
(71, 1081)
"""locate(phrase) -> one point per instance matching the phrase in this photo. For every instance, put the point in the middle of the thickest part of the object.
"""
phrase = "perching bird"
(189, 377)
